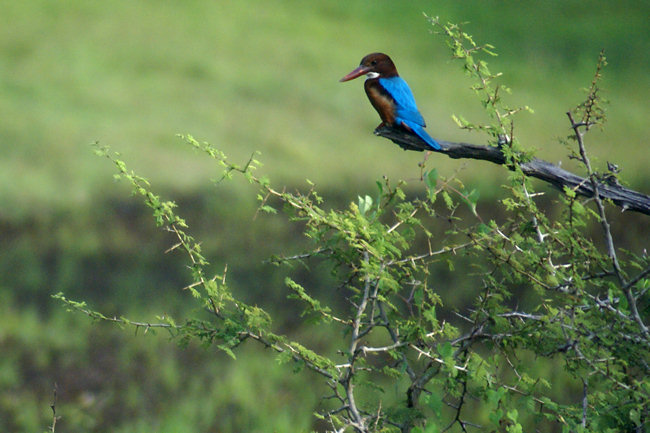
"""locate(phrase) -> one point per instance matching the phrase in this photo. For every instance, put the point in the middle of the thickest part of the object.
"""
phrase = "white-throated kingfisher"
(391, 96)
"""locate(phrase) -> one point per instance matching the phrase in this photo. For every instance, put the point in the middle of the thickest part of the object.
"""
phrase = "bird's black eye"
(373, 63)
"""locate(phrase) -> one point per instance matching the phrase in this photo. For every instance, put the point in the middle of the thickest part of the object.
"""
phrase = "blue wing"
(406, 111)
(405, 107)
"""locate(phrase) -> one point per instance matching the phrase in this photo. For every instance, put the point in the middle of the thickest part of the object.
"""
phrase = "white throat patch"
(372, 75)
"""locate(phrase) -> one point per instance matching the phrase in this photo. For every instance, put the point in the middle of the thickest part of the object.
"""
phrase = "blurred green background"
(246, 76)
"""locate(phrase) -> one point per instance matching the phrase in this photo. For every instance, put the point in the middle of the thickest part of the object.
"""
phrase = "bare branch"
(625, 198)
(357, 420)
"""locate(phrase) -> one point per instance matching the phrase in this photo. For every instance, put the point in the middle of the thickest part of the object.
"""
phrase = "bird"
(391, 96)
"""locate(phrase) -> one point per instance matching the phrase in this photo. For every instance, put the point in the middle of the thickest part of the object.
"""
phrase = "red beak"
(361, 70)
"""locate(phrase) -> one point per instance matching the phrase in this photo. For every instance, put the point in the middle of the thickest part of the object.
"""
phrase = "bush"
(555, 336)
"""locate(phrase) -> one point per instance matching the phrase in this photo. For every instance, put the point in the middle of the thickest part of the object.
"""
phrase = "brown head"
(375, 65)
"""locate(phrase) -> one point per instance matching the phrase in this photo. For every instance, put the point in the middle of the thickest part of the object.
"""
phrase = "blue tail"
(420, 132)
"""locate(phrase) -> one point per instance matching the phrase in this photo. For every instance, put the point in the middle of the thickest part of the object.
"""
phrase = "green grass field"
(246, 76)
(255, 75)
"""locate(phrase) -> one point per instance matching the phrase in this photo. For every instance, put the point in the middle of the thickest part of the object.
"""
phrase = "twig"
(459, 408)
(295, 355)
(53, 407)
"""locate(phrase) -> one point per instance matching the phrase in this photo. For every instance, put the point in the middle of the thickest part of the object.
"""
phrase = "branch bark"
(625, 198)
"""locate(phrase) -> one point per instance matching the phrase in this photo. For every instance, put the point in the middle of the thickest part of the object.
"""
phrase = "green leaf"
(635, 416)
(448, 200)
(445, 350)
(430, 315)
(268, 209)
(494, 396)
(495, 416)
(365, 204)
(434, 401)
(227, 350)
(471, 199)
(431, 178)
(512, 415)
(473, 196)
(432, 427)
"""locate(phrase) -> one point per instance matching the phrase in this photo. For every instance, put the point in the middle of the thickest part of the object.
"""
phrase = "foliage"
(553, 307)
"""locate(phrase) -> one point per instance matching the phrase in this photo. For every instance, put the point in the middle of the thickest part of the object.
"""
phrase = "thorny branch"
(609, 242)
(347, 382)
